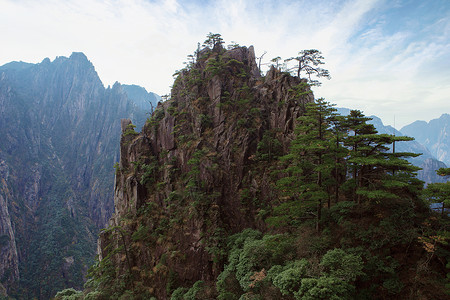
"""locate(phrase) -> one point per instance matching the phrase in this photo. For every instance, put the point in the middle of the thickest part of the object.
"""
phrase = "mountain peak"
(78, 56)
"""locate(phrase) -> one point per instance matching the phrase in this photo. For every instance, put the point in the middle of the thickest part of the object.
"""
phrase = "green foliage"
(269, 148)
(289, 279)
(130, 130)
(150, 171)
(116, 168)
(69, 294)
(250, 255)
(178, 294)
(300, 90)
(308, 176)
(213, 40)
(443, 172)
(377, 173)
(341, 265)
(140, 234)
(205, 121)
(308, 64)
(191, 294)
(155, 118)
(94, 295)
(438, 192)
(233, 45)
(57, 236)
(339, 212)
(227, 285)
(215, 66)
(393, 285)
(326, 288)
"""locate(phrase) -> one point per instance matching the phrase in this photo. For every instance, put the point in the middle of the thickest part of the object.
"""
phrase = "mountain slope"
(435, 135)
(59, 129)
(139, 95)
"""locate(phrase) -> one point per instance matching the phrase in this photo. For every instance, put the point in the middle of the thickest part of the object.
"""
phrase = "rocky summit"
(193, 172)
(238, 187)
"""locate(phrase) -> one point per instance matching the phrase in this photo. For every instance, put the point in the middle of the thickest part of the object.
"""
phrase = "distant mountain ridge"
(59, 133)
(435, 135)
(139, 95)
(16, 65)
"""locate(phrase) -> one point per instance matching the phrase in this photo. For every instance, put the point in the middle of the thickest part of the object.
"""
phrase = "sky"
(389, 58)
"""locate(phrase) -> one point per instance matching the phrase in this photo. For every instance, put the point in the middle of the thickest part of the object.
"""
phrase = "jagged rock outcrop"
(59, 130)
(191, 177)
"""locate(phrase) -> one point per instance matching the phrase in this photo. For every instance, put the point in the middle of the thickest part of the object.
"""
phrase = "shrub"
(192, 293)
(69, 294)
(327, 288)
(342, 265)
(178, 293)
(288, 281)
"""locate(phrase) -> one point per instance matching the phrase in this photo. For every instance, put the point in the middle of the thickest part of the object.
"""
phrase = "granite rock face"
(188, 179)
(59, 131)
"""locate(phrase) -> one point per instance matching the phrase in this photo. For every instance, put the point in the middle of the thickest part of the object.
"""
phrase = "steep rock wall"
(192, 176)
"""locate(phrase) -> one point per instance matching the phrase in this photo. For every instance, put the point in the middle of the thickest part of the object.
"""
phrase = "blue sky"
(385, 57)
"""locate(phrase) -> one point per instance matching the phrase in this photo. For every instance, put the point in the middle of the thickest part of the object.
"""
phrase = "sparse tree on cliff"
(260, 59)
(309, 62)
(213, 40)
(276, 62)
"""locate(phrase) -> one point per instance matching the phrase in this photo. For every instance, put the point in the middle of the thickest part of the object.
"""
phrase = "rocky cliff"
(192, 176)
(59, 129)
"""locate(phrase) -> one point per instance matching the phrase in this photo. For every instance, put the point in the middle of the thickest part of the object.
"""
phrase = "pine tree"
(439, 192)
(377, 172)
(339, 132)
(311, 161)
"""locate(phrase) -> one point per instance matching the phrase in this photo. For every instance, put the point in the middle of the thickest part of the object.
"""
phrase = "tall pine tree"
(311, 163)
(377, 172)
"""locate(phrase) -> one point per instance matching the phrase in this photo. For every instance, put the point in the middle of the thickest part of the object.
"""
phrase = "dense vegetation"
(336, 215)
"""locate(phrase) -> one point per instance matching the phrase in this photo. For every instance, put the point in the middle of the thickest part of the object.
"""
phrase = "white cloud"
(144, 42)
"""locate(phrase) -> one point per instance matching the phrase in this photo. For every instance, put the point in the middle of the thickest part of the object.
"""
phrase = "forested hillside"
(59, 135)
